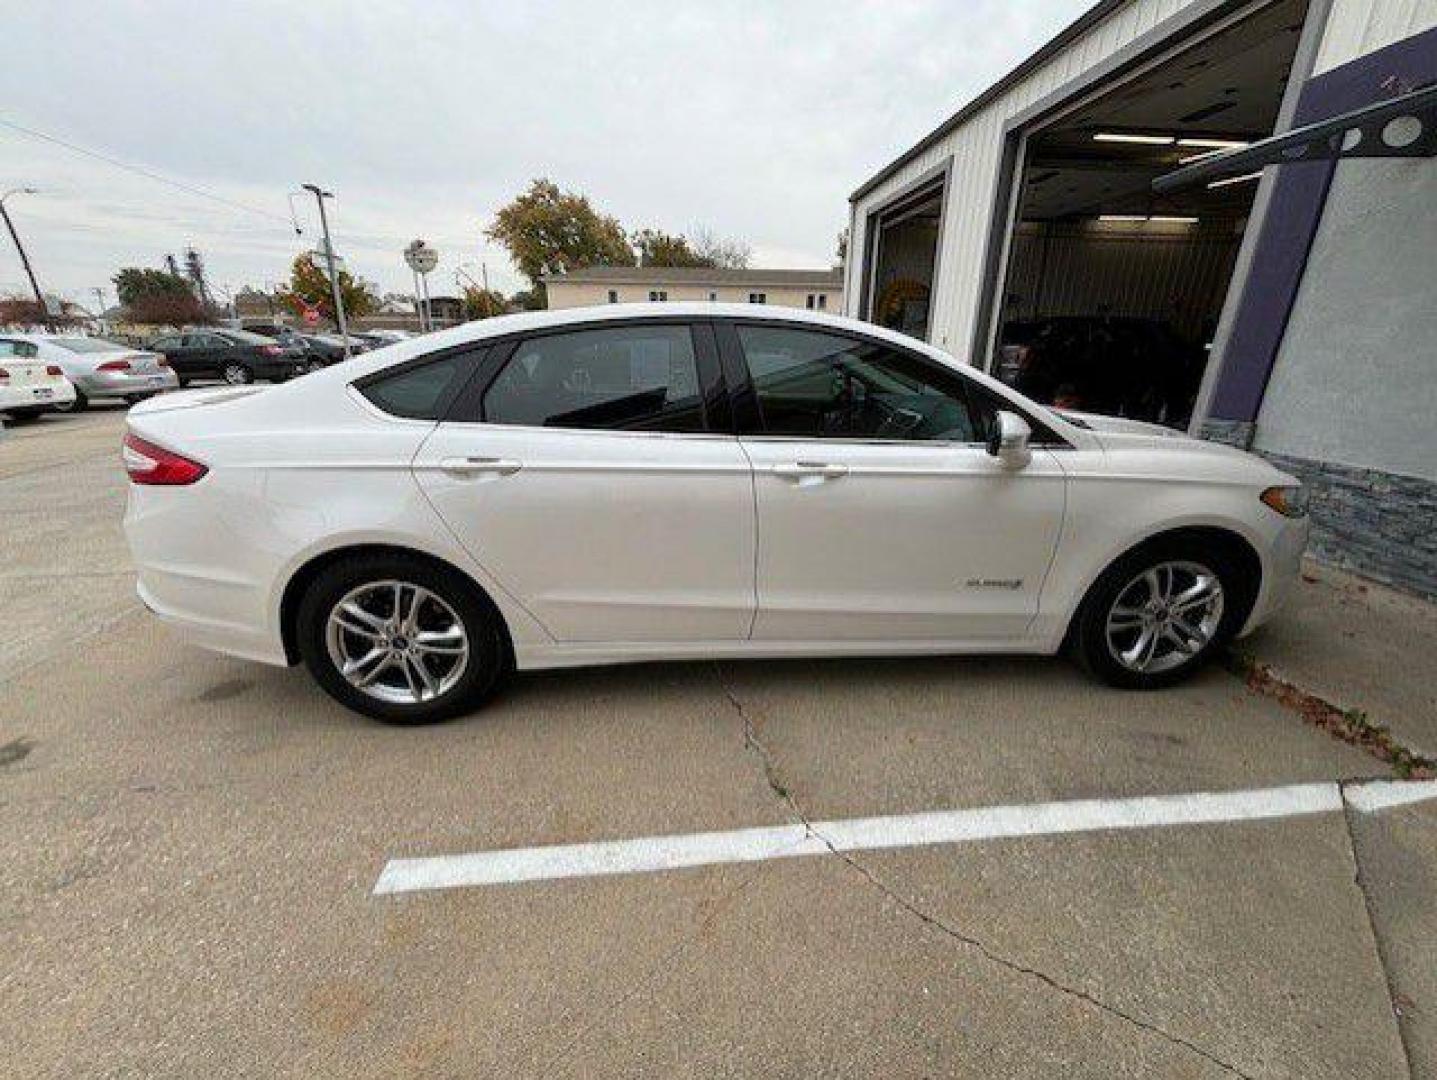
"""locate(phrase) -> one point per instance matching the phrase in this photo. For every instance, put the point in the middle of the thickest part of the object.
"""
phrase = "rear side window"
(18, 348)
(422, 392)
(623, 378)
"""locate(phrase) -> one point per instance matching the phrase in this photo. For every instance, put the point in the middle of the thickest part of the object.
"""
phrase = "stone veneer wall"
(1378, 524)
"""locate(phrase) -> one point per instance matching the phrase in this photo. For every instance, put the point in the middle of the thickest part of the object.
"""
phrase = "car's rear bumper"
(206, 629)
(45, 395)
(178, 539)
(113, 384)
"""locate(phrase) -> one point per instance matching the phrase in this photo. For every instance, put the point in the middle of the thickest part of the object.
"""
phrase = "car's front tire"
(1161, 612)
(401, 639)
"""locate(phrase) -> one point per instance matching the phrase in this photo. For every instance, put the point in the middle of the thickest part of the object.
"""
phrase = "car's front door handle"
(498, 466)
(805, 470)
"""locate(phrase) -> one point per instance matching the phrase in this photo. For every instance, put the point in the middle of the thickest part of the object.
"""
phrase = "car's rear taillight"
(150, 464)
(114, 365)
(53, 369)
(4, 377)
(270, 350)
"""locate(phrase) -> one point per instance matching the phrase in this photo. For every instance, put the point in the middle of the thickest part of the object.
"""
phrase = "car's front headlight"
(1287, 501)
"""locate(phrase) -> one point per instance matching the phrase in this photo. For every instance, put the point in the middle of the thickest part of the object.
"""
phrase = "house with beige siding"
(818, 290)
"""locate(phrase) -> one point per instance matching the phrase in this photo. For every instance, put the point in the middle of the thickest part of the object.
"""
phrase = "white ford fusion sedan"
(669, 481)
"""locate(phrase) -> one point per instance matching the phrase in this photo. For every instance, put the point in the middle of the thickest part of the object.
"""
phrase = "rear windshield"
(86, 344)
(244, 337)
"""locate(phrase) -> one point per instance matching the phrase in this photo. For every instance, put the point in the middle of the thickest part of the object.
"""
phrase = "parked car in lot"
(328, 349)
(29, 385)
(99, 370)
(1137, 368)
(236, 356)
(666, 481)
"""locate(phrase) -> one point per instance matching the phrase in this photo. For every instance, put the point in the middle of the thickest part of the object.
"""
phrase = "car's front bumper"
(1281, 571)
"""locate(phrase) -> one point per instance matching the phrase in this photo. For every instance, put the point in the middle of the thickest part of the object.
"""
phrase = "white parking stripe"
(654, 853)
(1383, 794)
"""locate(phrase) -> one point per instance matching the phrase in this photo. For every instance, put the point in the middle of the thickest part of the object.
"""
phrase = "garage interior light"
(1157, 219)
(1243, 179)
(1145, 140)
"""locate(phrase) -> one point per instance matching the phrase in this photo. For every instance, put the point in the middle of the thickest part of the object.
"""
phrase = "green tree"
(548, 230)
(309, 287)
(157, 297)
(658, 248)
(483, 303)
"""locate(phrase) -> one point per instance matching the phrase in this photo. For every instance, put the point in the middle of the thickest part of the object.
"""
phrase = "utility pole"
(319, 196)
(99, 302)
(25, 259)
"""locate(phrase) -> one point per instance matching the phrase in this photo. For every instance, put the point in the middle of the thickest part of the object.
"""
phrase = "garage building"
(1213, 215)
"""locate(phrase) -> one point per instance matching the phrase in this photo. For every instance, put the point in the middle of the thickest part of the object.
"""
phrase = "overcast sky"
(755, 120)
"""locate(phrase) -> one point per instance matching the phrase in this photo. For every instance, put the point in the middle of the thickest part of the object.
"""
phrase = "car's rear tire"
(236, 374)
(1161, 612)
(24, 416)
(402, 639)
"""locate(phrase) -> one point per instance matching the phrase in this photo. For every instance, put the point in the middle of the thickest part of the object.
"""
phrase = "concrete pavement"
(191, 845)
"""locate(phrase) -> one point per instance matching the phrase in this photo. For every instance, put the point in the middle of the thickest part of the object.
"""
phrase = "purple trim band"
(1293, 214)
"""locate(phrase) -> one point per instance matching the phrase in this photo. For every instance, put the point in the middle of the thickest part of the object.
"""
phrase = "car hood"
(1116, 424)
(1117, 434)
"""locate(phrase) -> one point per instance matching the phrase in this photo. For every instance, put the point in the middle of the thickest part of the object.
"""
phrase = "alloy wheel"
(397, 642)
(1165, 616)
(236, 374)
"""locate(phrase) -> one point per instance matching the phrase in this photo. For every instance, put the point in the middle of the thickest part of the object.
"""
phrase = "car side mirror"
(1008, 440)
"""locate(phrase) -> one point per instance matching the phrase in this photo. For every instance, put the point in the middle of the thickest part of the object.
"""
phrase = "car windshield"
(86, 344)
(244, 337)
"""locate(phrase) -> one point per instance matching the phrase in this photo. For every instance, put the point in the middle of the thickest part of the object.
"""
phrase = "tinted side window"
(165, 343)
(623, 378)
(418, 393)
(19, 348)
(824, 385)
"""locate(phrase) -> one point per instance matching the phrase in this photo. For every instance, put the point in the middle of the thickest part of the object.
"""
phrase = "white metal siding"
(975, 147)
(1358, 27)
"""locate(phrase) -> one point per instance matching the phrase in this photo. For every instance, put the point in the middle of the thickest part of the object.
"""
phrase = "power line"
(140, 171)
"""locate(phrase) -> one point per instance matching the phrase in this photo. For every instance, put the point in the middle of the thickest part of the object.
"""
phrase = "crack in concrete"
(1377, 945)
(775, 782)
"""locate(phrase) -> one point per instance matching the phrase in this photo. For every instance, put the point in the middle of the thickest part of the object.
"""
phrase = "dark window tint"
(18, 348)
(830, 386)
(166, 343)
(629, 378)
(418, 393)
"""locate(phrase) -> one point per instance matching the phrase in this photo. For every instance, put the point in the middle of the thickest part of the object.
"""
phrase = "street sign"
(310, 315)
(421, 257)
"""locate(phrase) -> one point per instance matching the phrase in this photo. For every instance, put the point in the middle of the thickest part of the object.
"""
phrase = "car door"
(206, 353)
(592, 472)
(881, 515)
(175, 352)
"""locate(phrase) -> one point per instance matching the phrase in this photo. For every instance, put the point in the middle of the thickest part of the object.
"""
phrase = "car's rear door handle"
(497, 466)
(804, 470)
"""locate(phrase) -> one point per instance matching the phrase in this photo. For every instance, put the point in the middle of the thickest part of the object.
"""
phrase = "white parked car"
(669, 481)
(99, 369)
(29, 385)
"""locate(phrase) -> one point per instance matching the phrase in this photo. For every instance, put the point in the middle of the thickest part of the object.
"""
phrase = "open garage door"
(904, 259)
(1112, 294)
